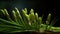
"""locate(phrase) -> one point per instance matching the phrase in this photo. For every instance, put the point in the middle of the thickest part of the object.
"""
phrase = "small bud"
(3, 11)
(13, 12)
(6, 13)
(40, 19)
(31, 11)
(14, 15)
(17, 11)
(25, 10)
(49, 17)
(36, 15)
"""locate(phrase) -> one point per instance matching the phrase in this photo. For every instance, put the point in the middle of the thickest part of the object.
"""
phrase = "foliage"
(22, 21)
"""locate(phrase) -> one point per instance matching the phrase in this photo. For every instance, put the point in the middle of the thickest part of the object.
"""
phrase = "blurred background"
(39, 6)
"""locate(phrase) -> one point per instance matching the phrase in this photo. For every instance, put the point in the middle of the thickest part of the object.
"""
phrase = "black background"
(39, 6)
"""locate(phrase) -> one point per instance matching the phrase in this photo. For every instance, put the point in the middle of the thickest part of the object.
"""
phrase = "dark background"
(41, 7)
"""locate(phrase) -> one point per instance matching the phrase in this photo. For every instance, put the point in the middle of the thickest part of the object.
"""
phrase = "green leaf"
(48, 19)
(7, 15)
(14, 16)
(7, 26)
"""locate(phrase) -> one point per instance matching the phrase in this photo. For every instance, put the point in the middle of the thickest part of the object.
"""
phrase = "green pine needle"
(25, 22)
